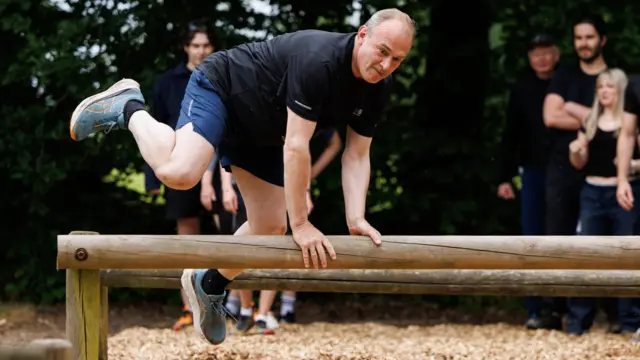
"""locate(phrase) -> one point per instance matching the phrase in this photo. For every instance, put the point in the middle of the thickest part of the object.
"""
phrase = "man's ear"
(603, 42)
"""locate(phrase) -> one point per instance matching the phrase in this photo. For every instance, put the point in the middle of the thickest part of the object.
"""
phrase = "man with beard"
(576, 84)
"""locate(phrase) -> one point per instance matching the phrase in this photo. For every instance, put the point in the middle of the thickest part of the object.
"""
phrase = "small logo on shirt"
(357, 112)
(303, 105)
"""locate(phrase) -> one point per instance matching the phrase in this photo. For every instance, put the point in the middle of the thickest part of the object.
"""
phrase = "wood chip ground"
(350, 331)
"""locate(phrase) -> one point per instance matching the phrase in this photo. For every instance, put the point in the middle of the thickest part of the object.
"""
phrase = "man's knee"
(189, 160)
(177, 177)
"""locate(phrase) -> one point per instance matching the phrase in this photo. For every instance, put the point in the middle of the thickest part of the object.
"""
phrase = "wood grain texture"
(354, 252)
(83, 313)
(605, 283)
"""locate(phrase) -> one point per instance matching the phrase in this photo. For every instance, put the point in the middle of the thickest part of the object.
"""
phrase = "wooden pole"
(83, 311)
(602, 283)
(354, 252)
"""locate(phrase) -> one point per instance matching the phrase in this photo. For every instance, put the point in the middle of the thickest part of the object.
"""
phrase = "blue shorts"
(202, 107)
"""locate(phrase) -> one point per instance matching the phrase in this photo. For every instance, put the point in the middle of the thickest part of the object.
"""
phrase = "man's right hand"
(505, 191)
(313, 244)
(624, 194)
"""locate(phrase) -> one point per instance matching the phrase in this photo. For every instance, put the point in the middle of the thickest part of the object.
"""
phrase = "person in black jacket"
(525, 144)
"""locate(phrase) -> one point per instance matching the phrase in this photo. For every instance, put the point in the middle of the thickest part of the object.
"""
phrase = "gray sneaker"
(209, 312)
(104, 111)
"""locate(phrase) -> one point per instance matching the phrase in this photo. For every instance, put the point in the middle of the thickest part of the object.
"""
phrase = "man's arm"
(356, 171)
(553, 111)
(327, 156)
(297, 166)
(555, 115)
(576, 110)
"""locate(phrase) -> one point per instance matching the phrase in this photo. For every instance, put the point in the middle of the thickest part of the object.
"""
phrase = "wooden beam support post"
(354, 252)
(83, 310)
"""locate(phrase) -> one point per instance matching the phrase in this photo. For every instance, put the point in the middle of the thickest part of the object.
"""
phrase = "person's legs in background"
(562, 194)
(532, 208)
(184, 207)
(593, 221)
(287, 307)
(625, 223)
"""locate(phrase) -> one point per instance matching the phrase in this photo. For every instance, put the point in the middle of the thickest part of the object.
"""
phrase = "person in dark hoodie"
(525, 145)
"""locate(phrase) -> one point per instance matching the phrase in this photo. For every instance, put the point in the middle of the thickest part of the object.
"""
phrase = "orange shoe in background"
(183, 321)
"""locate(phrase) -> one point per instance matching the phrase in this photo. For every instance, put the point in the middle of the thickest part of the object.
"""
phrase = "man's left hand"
(362, 227)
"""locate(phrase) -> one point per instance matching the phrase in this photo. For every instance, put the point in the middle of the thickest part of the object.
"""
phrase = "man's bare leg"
(178, 158)
(266, 214)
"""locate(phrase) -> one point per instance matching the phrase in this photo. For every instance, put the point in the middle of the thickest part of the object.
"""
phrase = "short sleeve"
(366, 122)
(631, 102)
(308, 84)
(559, 82)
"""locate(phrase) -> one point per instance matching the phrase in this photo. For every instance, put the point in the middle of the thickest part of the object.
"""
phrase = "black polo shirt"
(168, 92)
(572, 84)
(308, 71)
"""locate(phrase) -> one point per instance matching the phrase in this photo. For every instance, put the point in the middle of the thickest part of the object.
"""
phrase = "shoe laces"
(110, 127)
(219, 309)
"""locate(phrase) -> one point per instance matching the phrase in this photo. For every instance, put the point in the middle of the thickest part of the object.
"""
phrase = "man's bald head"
(382, 43)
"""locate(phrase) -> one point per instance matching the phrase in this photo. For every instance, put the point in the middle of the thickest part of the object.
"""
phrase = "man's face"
(380, 52)
(543, 59)
(587, 43)
(198, 49)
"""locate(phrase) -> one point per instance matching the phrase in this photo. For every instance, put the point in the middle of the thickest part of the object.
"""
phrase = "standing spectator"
(182, 206)
(594, 151)
(526, 144)
(576, 84)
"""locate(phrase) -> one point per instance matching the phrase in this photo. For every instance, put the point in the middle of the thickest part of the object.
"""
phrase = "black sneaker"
(288, 318)
(261, 328)
(261, 325)
(244, 324)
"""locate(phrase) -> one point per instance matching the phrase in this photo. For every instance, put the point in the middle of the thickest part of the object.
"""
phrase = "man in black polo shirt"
(576, 83)
(526, 144)
(258, 104)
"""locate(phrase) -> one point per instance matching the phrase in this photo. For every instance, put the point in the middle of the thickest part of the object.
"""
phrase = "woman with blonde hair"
(594, 152)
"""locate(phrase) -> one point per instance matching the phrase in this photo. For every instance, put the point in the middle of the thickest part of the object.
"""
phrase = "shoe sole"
(115, 89)
(194, 303)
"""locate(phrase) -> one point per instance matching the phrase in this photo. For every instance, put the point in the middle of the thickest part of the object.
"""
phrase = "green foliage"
(433, 169)
(52, 58)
